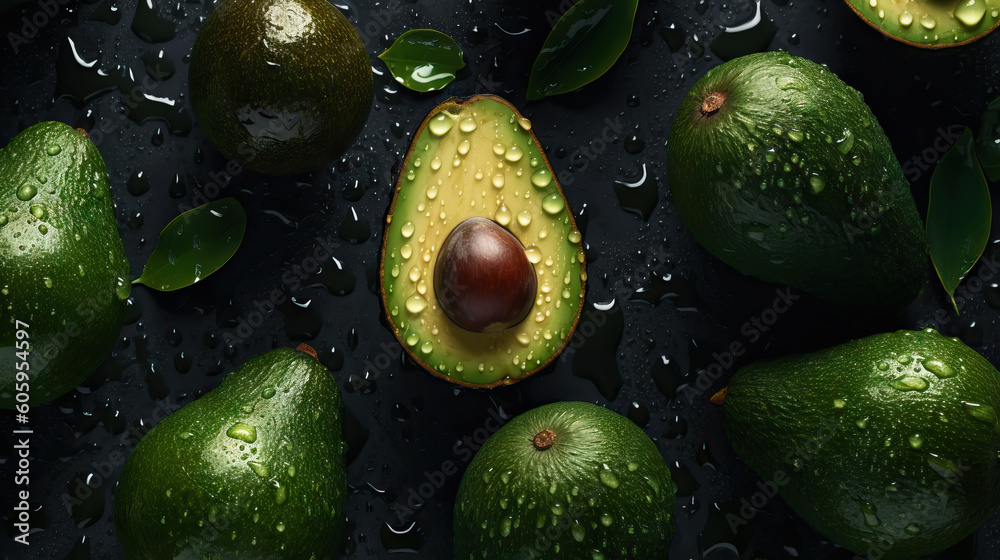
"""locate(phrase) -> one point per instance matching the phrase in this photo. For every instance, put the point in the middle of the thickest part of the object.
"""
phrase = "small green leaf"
(959, 214)
(194, 245)
(988, 142)
(584, 44)
(423, 59)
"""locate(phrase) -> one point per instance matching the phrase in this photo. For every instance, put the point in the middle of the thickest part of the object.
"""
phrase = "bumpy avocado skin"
(601, 491)
(793, 180)
(887, 445)
(280, 86)
(930, 24)
(477, 157)
(63, 272)
(253, 469)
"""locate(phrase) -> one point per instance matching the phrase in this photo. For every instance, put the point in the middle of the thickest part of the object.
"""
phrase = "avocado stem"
(713, 102)
(544, 440)
(720, 397)
(307, 349)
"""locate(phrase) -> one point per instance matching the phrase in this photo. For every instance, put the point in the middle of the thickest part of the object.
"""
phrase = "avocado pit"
(483, 280)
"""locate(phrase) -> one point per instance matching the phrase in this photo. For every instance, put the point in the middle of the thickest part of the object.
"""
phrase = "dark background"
(674, 305)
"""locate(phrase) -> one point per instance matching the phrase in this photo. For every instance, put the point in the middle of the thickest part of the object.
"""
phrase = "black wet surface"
(676, 309)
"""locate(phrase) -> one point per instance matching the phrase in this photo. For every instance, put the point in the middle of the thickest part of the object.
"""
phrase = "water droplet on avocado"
(839, 403)
(123, 289)
(553, 203)
(909, 383)
(259, 468)
(905, 19)
(416, 304)
(916, 441)
(43, 229)
(846, 142)
(427, 347)
(904, 359)
(871, 519)
(606, 520)
(913, 529)
(541, 178)
(53, 150)
(524, 218)
(502, 215)
(468, 125)
(26, 192)
(795, 136)
(928, 21)
(280, 527)
(498, 180)
(817, 184)
(505, 526)
(789, 82)
(441, 124)
(242, 432)
(514, 154)
(608, 477)
(47, 281)
(39, 212)
(268, 393)
(983, 413)
(970, 12)
(407, 229)
(939, 368)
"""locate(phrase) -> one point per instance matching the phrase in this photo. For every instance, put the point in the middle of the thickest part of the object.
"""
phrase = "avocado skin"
(172, 482)
(277, 101)
(588, 438)
(72, 325)
(783, 410)
(739, 215)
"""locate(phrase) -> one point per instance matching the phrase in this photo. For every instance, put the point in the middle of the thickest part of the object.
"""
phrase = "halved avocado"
(482, 264)
(930, 23)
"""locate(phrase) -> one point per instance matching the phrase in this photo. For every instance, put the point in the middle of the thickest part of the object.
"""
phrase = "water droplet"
(606, 520)
(514, 154)
(817, 184)
(407, 229)
(502, 215)
(39, 212)
(913, 529)
(916, 441)
(43, 229)
(795, 136)
(871, 519)
(416, 304)
(268, 393)
(242, 432)
(839, 403)
(498, 180)
(846, 142)
(499, 149)
(47, 281)
(574, 236)
(525, 123)
(468, 125)
(441, 124)
(541, 178)
(524, 218)
(939, 368)
(123, 289)
(906, 19)
(259, 468)
(26, 192)
(427, 347)
(405, 251)
(882, 366)
(578, 531)
(904, 359)
(280, 527)
(788, 82)
(3, 220)
(607, 477)
(464, 146)
(928, 21)
(553, 203)
(282, 493)
(983, 413)
(862, 423)
(54, 149)
(909, 383)
(505, 527)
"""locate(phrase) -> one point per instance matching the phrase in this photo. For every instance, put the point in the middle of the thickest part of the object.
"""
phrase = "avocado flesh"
(280, 86)
(252, 469)
(892, 438)
(602, 490)
(928, 23)
(792, 180)
(479, 158)
(62, 263)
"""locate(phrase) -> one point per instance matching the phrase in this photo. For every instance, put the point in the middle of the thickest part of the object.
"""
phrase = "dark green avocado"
(931, 24)
(566, 480)
(280, 86)
(63, 273)
(781, 171)
(253, 469)
(887, 445)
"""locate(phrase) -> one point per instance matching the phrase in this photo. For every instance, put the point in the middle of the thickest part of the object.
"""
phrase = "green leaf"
(584, 44)
(959, 214)
(194, 245)
(988, 142)
(423, 59)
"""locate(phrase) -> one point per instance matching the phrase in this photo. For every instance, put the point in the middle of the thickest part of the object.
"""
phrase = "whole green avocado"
(280, 86)
(781, 171)
(254, 469)
(62, 264)
(887, 445)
